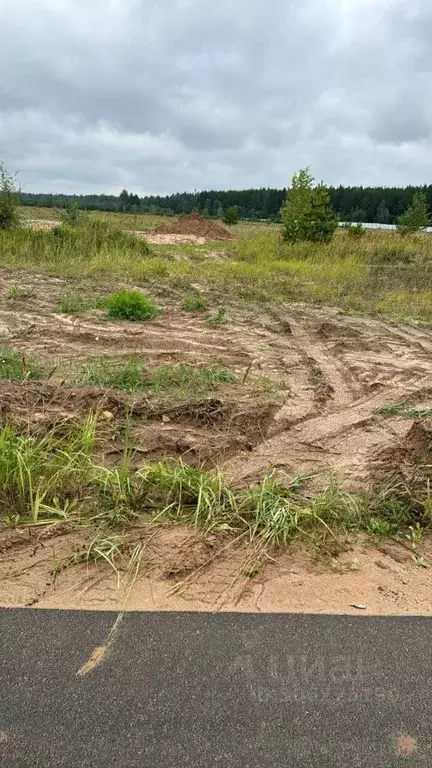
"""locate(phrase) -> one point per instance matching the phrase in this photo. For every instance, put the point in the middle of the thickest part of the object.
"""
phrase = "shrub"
(71, 214)
(230, 216)
(193, 303)
(9, 218)
(130, 305)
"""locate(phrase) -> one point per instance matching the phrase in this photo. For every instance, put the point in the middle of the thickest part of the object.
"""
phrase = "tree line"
(357, 204)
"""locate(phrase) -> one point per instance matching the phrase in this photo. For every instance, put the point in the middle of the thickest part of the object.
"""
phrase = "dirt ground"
(312, 382)
(183, 571)
(154, 237)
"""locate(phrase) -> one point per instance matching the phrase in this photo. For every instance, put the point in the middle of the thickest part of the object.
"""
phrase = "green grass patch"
(56, 478)
(75, 304)
(131, 305)
(15, 366)
(403, 410)
(176, 381)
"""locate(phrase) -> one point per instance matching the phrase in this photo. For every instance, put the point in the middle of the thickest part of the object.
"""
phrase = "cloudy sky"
(160, 96)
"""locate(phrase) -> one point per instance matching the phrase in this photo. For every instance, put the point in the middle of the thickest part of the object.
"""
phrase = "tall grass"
(46, 475)
(57, 477)
(382, 274)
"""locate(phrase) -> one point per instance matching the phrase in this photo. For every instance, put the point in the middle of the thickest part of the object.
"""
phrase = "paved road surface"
(179, 690)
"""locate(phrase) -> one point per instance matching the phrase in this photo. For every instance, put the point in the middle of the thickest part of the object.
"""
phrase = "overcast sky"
(160, 96)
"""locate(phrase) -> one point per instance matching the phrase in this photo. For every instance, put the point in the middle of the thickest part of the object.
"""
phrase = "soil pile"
(196, 225)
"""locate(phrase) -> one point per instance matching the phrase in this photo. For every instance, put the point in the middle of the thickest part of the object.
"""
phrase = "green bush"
(130, 305)
(230, 216)
(71, 214)
(9, 218)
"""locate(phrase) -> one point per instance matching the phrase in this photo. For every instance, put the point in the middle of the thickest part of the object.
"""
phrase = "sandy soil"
(182, 571)
(171, 239)
(332, 373)
(151, 237)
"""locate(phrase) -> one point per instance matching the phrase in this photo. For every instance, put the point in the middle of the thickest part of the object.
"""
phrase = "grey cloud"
(184, 94)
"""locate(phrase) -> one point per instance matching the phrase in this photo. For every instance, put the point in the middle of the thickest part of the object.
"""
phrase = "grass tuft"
(130, 305)
(404, 411)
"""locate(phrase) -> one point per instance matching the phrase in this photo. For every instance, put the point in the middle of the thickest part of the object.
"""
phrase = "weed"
(130, 305)
(17, 292)
(14, 366)
(40, 478)
(194, 302)
(218, 318)
(380, 527)
(104, 547)
(252, 570)
(402, 410)
(316, 376)
(415, 534)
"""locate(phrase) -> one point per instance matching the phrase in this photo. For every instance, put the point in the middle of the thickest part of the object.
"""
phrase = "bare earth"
(151, 237)
(332, 373)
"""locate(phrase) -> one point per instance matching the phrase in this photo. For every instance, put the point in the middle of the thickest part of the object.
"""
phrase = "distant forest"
(365, 204)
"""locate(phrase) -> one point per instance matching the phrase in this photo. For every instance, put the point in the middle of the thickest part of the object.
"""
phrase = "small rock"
(360, 606)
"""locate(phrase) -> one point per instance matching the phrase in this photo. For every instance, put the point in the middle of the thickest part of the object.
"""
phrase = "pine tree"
(230, 216)
(307, 213)
(416, 216)
(382, 214)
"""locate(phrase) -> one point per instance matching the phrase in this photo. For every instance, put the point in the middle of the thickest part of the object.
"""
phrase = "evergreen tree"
(230, 216)
(307, 213)
(382, 213)
(124, 200)
(416, 216)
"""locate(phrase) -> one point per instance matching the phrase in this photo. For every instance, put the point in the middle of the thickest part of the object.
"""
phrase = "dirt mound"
(198, 226)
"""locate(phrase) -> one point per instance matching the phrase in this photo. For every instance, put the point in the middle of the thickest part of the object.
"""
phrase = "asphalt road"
(203, 690)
